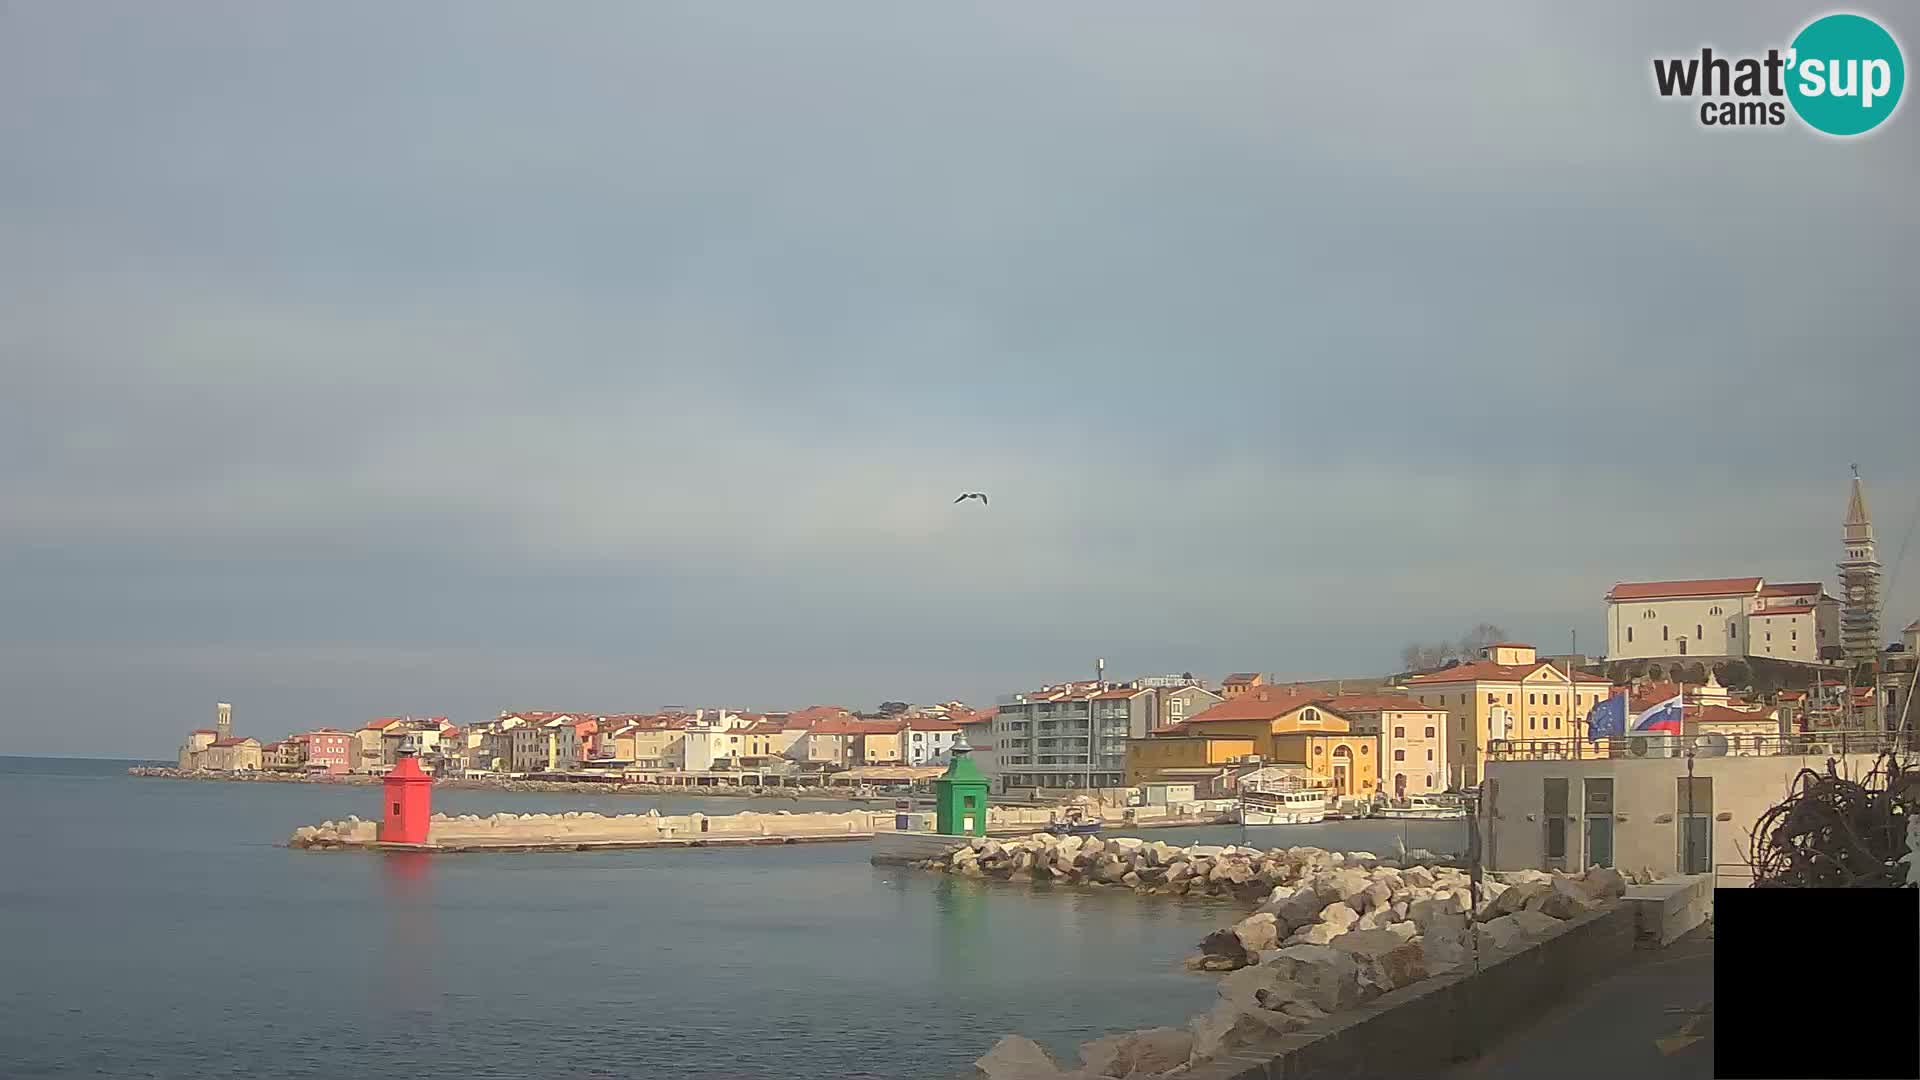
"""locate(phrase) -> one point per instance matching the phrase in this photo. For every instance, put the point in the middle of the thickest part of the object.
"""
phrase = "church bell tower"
(1859, 581)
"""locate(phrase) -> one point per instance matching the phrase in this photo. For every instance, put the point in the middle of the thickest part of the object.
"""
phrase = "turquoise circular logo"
(1845, 74)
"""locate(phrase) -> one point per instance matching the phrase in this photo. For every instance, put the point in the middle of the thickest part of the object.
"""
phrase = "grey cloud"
(634, 356)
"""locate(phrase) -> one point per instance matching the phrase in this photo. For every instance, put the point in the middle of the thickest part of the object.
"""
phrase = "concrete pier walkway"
(1651, 1020)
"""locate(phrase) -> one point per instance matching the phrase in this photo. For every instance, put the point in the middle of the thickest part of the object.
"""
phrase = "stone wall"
(576, 827)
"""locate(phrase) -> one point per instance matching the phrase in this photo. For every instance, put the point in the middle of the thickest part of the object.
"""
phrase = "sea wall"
(508, 830)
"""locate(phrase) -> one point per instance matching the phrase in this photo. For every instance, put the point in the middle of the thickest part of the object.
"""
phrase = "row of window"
(1400, 732)
(1401, 755)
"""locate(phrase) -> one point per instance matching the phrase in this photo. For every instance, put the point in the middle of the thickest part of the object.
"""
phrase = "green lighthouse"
(960, 797)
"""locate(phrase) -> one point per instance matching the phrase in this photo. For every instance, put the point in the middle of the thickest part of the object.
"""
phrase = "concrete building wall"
(1646, 807)
(1693, 626)
(1413, 751)
(1785, 636)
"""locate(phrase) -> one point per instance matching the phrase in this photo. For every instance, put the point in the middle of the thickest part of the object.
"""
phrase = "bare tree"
(1429, 656)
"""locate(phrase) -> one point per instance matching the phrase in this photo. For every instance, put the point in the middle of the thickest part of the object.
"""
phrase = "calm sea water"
(155, 928)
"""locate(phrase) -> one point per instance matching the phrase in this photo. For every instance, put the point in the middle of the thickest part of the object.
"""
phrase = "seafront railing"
(1806, 744)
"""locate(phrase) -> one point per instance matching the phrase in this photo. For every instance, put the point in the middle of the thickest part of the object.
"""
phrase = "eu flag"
(1608, 719)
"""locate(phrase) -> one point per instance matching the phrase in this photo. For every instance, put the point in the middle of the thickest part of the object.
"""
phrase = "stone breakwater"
(1332, 931)
(585, 831)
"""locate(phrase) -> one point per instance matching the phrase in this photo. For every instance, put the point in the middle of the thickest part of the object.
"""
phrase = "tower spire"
(1859, 579)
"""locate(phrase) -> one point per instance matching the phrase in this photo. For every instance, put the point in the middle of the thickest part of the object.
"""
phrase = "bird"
(981, 495)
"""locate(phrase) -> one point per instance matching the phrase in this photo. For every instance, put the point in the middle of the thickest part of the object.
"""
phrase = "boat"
(1421, 808)
(1075, 821)
(1303, 806)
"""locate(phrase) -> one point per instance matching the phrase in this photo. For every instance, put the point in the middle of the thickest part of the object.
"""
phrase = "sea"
(160, 928)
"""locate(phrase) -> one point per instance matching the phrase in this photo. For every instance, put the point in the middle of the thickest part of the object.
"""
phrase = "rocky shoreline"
(1332, 931)
(579, 787)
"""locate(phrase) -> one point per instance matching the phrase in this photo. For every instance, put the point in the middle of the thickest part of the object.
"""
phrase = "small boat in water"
(1075, 821)
(1421, 808)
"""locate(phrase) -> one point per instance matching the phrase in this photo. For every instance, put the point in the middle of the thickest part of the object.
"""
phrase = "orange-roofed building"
(1509, 693)
(1295, 725)
(1239, 683)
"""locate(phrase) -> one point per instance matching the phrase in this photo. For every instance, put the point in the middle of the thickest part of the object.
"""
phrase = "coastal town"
(1719, 670)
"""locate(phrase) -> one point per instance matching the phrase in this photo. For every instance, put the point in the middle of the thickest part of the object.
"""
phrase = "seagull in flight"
(981, 495)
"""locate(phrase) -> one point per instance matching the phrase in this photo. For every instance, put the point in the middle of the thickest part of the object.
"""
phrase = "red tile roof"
(1243, 678)
(1792, 588)
(235, 742)
(1789, 609)
(1488, 671)
(1259, 703)
(928, 724)
(203, 731)
(1676, 590)
(1351, 703)
(1720, 714)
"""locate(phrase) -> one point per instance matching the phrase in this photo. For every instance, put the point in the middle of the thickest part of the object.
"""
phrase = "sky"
(364, 359)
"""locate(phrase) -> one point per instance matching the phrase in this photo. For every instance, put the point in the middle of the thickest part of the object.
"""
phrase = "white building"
(1638, 810)
(1717, 617)
(926, 741)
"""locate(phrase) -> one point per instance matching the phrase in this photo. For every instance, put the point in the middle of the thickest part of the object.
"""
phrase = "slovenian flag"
(1664, 717)
(1608, 719)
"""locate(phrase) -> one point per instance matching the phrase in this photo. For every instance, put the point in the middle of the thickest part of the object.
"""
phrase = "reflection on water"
(408, 991)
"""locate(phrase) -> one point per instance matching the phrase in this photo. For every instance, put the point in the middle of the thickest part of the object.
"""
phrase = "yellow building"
(1413, 739)
(1509, 693)
(1183, 758)
(1294, 726)
(879, 745)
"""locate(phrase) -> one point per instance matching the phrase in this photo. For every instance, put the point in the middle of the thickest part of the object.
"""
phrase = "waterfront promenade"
(1652, 1020)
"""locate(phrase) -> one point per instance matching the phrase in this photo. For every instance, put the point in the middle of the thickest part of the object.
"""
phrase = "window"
(1769, 635)
(1648, 615)
(1698, 632)
(1530, 700)
(1557, 723)
(1399, 755)
(1715, 611)
(1554, 802)
(1429, 757)
(1663, 633)
(1532, 723)
(1429, 731)
(1401, 732)
(1365, 749)
(1429, 779)
(1319, 749)
(1629, 634)
(1793, 635)
(1733, 630)
(1509, 699)
(1463, 699)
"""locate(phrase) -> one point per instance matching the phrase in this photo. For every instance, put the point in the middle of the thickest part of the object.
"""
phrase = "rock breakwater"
(1331, 932)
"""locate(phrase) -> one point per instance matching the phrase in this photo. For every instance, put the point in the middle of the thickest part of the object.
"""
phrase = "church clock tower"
(1859, 581)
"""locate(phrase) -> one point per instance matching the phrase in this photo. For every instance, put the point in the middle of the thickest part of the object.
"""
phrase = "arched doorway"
(1399, 785)
(1343, 770)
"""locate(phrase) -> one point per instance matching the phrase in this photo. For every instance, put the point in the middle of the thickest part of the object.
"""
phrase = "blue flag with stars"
(1608, 719)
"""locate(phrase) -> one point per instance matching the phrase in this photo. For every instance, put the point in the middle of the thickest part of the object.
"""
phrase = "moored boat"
(1302, 807)
(1421, 808)
(1075, 821)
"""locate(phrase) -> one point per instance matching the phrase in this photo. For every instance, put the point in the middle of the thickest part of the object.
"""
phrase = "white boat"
(1301, 807)
(1420, 808)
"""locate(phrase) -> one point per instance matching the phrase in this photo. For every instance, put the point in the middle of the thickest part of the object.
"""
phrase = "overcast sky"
(364, 358)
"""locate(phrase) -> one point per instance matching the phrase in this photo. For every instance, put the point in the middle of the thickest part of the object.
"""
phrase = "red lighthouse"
(409, 799)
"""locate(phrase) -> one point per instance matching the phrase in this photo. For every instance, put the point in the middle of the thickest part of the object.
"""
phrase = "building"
(1859, 580)
(1200, 761)
(231, 755)
(1071, 735)
(1642, 813)
(325, 750)
(977, 731)
(1158, 708)
(369, 750)
(1508, 693)
(1294, 725)
(927, 741)
(197, 742)
(1413, 739)
(552, 746)
(1721, 617)
(1239, 683)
